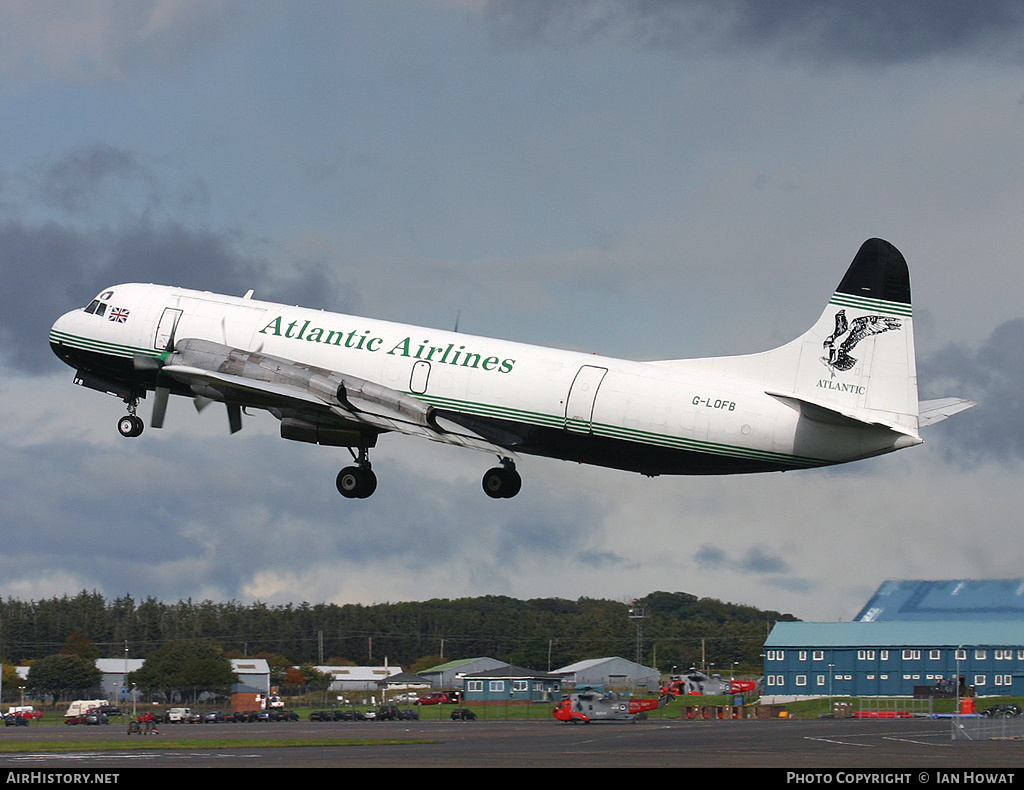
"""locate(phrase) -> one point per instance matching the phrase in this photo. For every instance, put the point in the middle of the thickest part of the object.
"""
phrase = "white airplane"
(843, 391)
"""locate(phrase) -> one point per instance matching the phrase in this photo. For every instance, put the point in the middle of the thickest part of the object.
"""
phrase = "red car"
(439, 698)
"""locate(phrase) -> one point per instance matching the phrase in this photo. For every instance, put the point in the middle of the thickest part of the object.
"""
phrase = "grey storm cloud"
(818, 30)
(992, 375)
(754, 560)
(54, 265)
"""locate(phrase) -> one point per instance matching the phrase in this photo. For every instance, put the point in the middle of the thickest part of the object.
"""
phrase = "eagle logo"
(848, 334)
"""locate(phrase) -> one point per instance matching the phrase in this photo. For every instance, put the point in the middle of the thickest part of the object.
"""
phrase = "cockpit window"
(96, 307)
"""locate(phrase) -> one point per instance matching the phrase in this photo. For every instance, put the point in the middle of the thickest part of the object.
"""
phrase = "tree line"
(666, 629)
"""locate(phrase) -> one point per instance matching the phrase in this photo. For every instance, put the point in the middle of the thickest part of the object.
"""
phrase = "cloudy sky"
(629, 177)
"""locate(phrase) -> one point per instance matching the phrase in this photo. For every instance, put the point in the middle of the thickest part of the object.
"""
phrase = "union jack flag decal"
(118, 314)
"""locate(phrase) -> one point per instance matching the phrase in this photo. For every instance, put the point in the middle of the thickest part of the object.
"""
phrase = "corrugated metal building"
(611, 672)
(451, 674)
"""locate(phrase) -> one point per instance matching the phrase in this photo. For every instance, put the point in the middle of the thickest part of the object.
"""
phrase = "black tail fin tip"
(878, 271)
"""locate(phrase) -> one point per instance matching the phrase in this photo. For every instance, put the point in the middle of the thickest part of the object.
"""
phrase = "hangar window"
(934, 655)
(520, 685)
(961, 654)
(801, 680)
(820, 680)
(474, 685)
(818, 655)
(496, 686)
(979, 680)
(980, 655)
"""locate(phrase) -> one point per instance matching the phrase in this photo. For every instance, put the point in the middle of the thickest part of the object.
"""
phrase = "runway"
(854, 745)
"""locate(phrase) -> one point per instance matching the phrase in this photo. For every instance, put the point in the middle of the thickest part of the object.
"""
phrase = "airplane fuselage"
(675, 417)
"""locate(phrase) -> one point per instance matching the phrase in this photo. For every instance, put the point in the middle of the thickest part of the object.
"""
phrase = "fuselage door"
(165, 329)
(579, 406)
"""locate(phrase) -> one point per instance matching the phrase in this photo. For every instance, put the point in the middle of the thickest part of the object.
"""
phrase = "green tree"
(63, 676)
(78, 644)
(189, 667)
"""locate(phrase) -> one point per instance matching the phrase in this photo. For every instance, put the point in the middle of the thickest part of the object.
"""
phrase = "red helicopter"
(591, 704)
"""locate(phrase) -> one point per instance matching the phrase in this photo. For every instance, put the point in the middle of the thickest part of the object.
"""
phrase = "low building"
(511, 684)
(358, 678)
(613, 672)
(253, 676)
(112, 677)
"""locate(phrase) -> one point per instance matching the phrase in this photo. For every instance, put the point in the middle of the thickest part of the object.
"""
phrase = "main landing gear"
(359, 481)
(131, 424)
(502, 482)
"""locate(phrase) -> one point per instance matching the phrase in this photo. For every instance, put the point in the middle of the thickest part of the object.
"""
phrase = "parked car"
(213, 717)
(15, 720)
(91, 716)
(439, 698)
(25, 711)
(463, 714)
(1001, 711)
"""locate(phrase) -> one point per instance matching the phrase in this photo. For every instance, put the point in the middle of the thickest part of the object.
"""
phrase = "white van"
(178, 715)
(80, 706)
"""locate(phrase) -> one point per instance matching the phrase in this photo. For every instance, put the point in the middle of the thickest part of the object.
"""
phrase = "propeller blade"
(160, 396)
(234, 417)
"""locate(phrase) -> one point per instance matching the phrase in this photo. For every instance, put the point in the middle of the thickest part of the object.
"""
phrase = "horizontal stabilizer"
(933, 411)
(821, 412)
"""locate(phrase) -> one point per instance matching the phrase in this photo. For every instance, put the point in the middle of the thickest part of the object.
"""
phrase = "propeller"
(162, 389)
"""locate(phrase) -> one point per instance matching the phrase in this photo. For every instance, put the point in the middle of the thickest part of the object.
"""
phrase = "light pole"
(636, 613)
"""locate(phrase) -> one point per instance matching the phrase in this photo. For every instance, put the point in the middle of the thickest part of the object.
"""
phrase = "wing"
(286, 388)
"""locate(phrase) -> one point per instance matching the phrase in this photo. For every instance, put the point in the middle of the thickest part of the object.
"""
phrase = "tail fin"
(858, 361)
(856, 365)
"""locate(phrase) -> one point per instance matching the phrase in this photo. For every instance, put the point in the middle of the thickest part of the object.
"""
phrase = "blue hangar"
(912, 633)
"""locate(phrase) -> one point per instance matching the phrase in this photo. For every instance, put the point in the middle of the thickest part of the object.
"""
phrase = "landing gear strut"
(359, 481)
(502, 482)
(131, 425)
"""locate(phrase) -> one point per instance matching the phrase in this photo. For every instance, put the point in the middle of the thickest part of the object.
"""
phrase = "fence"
(986, 728)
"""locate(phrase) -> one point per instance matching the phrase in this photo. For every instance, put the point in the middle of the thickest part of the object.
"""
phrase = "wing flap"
(360, 401)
